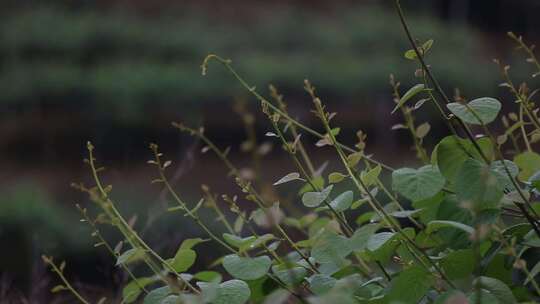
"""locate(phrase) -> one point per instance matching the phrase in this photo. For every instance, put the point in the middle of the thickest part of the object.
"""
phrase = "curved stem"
(129, 232)
(227, 64)
(59, 272)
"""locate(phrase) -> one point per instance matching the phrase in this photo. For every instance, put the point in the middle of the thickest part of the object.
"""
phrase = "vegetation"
(461, 227)
(117, 63)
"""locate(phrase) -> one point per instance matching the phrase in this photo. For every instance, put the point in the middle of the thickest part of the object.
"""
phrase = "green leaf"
(458, 264)
(410, 286)
(353, 159)
(426, 46)
(422, 130)
(157, 295)
(482, 297)
(359, 239)
(289, 177)
(320, 283)
(259, 241)
(183, 259)
(529, 163)
(130, 256)
(246, 268)
(370, 177)
(497, 288)
(58, 288)
(336, 177)
(476, 184)
(330, 248)
(237, 241)
(423, 49)
(498, 167)
(478, 111)
(436, 225)
(405, 213)
(408, 95)
(314, 199)
(318, 182)
(452, 152)
(289, 275)
(133, 289)
(208, 276)
(419, 184)
(410, 54)
(377, 240)
(190, 243)
(229, 292)
(343, 201)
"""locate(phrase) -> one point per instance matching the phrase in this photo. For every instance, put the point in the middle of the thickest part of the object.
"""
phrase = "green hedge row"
(129, 62)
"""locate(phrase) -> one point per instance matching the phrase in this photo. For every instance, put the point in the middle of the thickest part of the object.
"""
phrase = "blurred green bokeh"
(126, 64)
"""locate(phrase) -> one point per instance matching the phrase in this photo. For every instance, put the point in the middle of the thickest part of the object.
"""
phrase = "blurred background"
(117, 73)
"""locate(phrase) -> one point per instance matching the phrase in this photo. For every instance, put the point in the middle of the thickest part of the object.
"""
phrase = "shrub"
(122, 64)
(459, 228)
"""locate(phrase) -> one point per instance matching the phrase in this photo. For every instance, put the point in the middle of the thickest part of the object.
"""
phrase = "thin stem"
(130, 233)
(529, 50)
(435, 83)
(181, 203)
(375, 204)
(227, 64)
(221, 216)
(521, 99)
(409, 123)
(283, 107)
(342, 220)
(522, 128)
(102, 240)
(500, 157)
(246, 186)
(60, 273)
(518, 262)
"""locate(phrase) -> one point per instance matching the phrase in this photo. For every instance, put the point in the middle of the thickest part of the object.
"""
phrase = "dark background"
(118, 72)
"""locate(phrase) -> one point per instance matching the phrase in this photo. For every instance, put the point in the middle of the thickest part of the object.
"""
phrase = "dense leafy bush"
(461, 227)
(124, 63)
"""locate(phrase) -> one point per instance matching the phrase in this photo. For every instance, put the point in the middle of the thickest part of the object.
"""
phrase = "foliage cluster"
(462, 227)
(123, 63)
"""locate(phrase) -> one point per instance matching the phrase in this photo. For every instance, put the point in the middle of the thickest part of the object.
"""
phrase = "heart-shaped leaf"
(459, 264)
(359, 239)
(529, 163)
(377, 240)
(330, 248)
(245, 268)
(418, 184)
(479, 111)
(314, 199)
(410, 286)
(477, 185)
(498, 289)
(452, 152)
(343, 201)
(229, 292)
(157, 295)
(320, 283)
